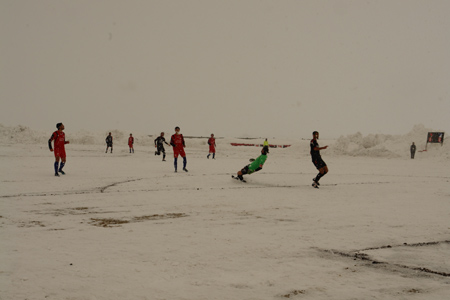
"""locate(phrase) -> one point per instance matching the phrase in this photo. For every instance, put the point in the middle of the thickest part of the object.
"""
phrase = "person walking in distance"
(177, 142)
(109, 142)
(212, 146)
(317, 159)
(59, 150)
(413, 150)
(159, 145)
(131, 143)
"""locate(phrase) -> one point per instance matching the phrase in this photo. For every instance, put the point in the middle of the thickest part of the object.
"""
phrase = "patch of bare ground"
(71, 211)
(110, 222)
(414, 291)
(158, 217)
(293, 293)
(31, 224)
(388, 265)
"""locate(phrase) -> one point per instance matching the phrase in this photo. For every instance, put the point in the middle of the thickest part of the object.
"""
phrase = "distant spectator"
(109, 142)
(413, 150)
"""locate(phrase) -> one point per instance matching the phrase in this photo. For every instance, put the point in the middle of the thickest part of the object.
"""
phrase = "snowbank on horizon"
(372, 145)
(26, 135)
(389, 146)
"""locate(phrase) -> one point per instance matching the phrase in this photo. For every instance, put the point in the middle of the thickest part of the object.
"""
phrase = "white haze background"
(235, 68)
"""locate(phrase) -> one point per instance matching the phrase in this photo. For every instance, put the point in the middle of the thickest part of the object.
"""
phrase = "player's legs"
(184, 163)
(63, 161)
(160, 149)
(57, 159)
(323, 169)
(56, 165)
(176, 152)
(211, 151)
(183, 155)
(242, 172)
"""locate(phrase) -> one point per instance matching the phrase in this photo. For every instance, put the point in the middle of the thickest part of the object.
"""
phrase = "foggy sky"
(233, 68)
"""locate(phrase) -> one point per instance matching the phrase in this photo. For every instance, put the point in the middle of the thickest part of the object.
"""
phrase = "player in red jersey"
(212, 146)
(131, 142)
(177, 142)
(59, 139)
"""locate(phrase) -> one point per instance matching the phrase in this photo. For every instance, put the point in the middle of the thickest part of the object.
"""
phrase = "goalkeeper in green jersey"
(255, 166)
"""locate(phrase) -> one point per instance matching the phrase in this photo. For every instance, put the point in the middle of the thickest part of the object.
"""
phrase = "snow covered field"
(125, 226)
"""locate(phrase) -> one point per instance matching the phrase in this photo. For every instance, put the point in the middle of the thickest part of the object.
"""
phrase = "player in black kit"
(317, 159)
(160, 146)
(109, 142)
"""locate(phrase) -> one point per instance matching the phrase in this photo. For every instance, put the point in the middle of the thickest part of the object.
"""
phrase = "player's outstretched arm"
(50, 143)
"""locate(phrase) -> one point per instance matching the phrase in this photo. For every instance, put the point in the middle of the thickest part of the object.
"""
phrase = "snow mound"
(372, 145)
(21, 134)
(24, 135)
(389, 146)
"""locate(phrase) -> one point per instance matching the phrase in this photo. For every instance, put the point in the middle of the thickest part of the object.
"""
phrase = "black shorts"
(244, 170)
(160, 148)
(318, 162)
(109, 144)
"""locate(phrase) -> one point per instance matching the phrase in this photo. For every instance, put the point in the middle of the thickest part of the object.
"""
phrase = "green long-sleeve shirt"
(257, 163)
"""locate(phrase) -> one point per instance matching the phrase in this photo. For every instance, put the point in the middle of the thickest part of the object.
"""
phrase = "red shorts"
(60, 152)
(178, 151)
(212, 149)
